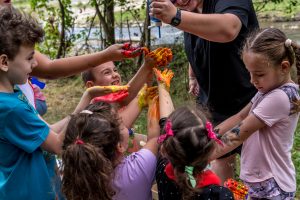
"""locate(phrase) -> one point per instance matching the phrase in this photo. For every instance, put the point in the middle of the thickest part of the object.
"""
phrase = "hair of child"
(87, 75)
(88, 165)
(275, 46)
(16, 29)
(190, 146)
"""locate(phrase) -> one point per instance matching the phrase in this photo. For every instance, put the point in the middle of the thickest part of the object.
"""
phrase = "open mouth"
(7, 1)
(117, 82)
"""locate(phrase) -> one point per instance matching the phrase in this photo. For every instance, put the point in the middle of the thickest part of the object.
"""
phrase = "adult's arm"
(213, 27)
(51, 69)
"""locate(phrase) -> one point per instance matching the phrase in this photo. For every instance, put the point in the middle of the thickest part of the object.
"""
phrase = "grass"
(64, 94)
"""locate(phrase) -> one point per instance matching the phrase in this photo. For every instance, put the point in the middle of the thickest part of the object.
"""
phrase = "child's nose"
(252, 79)
(34, 63)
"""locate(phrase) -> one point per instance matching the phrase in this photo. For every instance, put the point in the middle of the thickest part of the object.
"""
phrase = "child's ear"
(120, 148)
(89, 84)
(285, 66)
(3, 62)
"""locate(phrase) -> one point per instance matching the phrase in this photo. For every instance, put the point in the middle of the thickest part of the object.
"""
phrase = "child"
(93, 163)
(23, 135)
(186, 144)
(267, 124)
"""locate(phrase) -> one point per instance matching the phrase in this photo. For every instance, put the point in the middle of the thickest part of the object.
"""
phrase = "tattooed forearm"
(231, 136)
(237, 129)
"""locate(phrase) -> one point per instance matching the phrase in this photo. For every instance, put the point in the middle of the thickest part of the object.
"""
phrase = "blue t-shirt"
(23, 169)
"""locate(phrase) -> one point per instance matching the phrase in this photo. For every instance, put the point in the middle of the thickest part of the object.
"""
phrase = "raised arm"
(55, 138)
(213, 27)
(51, 69)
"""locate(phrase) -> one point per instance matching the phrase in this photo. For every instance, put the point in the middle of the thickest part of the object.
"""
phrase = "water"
(291, 29)
(170, 35)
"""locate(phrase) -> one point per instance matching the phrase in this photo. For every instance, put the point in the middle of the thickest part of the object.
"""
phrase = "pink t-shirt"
(267, 152)
(134, 176)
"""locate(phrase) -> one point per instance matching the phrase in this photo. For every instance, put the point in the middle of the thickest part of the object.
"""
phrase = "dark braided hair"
(190, 146)
(88, 166)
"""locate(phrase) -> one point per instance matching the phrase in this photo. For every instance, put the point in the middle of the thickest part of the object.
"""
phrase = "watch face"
(176, 21)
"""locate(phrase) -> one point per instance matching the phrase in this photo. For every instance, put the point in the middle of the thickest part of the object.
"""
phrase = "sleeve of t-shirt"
(143, 164)
(25, 129)
(274, 107)
(239, 8)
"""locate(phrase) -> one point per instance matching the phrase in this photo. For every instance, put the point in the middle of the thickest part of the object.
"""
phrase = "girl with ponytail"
(266, 126)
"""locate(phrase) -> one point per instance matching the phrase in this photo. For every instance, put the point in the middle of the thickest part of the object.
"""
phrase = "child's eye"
(260, 75)
(30, 58)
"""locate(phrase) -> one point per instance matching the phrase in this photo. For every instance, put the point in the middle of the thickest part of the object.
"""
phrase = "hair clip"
(87, 112)
(79, 141)
(168, 130)
(288, 43)
(189, 170)
(211, 134)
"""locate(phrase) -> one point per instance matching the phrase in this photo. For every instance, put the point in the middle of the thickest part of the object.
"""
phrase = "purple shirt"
(134, 176)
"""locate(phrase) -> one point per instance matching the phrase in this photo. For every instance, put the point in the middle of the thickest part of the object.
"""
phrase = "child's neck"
(5, 85)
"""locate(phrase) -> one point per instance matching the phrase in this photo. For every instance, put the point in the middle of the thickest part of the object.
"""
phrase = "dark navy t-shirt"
(218, 67)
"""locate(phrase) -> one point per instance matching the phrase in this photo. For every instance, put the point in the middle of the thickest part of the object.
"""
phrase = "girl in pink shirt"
(267, 124)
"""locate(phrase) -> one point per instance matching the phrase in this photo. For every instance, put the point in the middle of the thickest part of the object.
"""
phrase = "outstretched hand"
(164, 77)
(102, 90)
(112, 97)
(146, 94)
(130, 51)
(161, 56)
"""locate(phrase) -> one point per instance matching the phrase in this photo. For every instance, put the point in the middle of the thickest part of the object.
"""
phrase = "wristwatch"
(177, 19)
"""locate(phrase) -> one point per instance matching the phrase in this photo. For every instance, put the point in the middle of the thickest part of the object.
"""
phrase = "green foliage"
(54, 22)
(281, 7)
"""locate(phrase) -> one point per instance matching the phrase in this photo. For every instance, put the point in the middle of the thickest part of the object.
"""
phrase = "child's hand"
(164, 77)
(162, 56)
(115, 52)
(102, 90)
(130, 51)
(145, 95)
(112, 97)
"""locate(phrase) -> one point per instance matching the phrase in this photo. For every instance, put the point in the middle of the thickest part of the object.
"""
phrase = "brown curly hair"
(17, 29)
(88, 167)
(190, 145)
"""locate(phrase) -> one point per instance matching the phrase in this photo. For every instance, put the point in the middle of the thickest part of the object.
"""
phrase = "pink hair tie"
(79, 141)
(168, 130)
(211, 134)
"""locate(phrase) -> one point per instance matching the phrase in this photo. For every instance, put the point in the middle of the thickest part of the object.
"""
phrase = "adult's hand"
(163, 10)
(194, 86)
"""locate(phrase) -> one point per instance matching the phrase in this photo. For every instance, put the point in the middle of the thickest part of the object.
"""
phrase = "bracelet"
(192, 77)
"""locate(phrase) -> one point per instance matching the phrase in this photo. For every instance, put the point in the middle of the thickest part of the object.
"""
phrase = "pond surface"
(170, 35)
